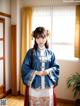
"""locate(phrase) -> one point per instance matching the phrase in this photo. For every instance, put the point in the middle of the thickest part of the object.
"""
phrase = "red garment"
(55, 103)
(26, 97)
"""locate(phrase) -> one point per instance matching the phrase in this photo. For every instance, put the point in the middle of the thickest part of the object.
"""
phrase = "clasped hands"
(41, 73)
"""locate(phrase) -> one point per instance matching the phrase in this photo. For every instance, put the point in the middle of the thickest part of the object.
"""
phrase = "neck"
(41, 48)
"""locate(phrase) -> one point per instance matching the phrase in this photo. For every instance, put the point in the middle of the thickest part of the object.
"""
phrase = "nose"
(41, 40)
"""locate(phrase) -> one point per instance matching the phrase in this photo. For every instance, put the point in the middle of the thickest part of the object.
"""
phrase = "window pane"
(1, 30)
(41, 17)
(1, 48)
(42, 21)
(63, 24)
(60, 21)
(63, 51)
(1, 72)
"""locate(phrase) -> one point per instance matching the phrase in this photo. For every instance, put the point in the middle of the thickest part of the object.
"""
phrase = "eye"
(43, 37)
(38, 37)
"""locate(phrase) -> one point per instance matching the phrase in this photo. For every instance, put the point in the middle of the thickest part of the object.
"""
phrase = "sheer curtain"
(42, 17)
(60, 21)
(26, 37)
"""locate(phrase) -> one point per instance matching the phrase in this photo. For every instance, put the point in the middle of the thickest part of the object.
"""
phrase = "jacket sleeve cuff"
(49, 71)
(50, 74)
(33, 74)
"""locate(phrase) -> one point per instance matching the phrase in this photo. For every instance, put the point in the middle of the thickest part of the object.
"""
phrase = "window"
(60, 21)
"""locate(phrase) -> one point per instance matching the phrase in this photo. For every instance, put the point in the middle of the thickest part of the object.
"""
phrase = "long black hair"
(40, 32)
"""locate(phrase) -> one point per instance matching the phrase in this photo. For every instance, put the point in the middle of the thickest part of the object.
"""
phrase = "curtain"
(26, 37)
(77, 34)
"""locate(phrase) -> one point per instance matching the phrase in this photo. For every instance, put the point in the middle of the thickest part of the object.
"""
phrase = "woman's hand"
(41, 73)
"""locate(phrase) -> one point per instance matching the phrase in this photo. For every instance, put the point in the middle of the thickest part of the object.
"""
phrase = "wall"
(13, 12)
(5, 8)
(46, 2)
(18, 42)
(66, 67)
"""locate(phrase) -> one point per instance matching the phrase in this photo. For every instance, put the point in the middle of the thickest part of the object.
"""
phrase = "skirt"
(41, 97)
(26, 97)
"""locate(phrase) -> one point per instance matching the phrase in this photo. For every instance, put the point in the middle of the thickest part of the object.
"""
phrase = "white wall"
(41, 2)
(5, 8)
(66, 67)
(46, 2)
(13, 12)
(18, 42)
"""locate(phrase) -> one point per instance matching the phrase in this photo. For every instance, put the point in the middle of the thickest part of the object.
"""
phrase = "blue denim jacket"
(50, 66)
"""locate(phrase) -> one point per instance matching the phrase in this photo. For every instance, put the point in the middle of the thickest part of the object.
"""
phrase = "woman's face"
(41, 41)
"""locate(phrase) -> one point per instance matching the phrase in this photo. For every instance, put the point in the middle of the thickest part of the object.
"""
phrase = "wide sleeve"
(28, 74)
(53, 71)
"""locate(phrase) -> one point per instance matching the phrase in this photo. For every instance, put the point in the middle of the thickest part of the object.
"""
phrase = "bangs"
(40, 35)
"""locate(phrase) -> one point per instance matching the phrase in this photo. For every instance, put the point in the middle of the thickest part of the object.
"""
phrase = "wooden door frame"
(13, 60)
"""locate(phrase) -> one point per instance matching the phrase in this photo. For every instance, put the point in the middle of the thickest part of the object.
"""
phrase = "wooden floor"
(19, 101)
(14, 100)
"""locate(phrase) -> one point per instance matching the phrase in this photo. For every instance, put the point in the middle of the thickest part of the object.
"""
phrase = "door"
(2, 57)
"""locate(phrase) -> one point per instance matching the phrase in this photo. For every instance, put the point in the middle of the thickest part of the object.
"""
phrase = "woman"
(40, 72)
